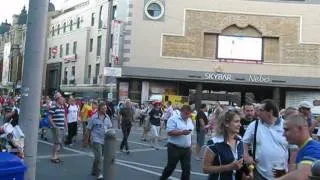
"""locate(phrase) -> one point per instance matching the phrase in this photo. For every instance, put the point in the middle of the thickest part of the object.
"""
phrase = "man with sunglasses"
(179, 130)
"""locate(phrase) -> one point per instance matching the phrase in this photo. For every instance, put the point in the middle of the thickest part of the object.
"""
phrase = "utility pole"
(108, 44)
(32, 80)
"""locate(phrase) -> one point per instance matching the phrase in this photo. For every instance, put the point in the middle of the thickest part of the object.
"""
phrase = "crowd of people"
(256, 141)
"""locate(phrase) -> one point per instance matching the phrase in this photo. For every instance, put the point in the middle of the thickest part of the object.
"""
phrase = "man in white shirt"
(271, 145)
(179, 130)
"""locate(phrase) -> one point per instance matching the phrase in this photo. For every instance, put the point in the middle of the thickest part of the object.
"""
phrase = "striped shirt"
(58, 115)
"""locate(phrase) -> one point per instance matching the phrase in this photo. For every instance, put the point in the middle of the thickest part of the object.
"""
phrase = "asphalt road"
(143, 162)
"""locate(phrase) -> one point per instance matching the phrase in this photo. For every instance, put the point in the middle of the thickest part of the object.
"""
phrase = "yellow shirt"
(85, 112)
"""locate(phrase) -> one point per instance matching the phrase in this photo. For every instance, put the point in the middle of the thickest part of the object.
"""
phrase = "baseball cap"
(305, 104)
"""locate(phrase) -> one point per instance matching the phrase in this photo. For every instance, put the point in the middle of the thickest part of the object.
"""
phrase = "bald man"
(297, 132)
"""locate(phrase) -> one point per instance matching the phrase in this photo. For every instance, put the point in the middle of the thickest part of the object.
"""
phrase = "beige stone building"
(267, 48)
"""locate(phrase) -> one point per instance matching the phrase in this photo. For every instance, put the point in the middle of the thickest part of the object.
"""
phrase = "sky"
(11, 7)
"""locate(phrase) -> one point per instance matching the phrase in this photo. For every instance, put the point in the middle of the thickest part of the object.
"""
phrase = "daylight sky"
(10, 7)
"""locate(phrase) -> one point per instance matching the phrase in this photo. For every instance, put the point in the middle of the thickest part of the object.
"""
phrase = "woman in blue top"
(223, 158)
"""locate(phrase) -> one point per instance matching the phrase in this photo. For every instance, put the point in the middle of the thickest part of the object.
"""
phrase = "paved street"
(143, 163)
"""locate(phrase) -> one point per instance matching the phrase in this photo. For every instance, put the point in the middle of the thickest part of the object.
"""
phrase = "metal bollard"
(109, 155)
(315, 170)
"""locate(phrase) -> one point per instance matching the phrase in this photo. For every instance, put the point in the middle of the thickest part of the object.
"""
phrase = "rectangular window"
(52, 30)
(67, 49)
(71, 25)
(100, 18)
(58, 29)
(75, 47)
(73, 71)
(65, 77)
(64, 27)
(114, 12)
(91, 45)
(92, 19)
(61, 51)
(78, 22)
(99, 45)
(111, 41)
(97, 70)
(89, 72)
(49, 53)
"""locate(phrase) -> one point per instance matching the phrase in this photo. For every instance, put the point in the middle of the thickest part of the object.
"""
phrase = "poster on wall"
(239, 48)
(123, 90)
(6, 61)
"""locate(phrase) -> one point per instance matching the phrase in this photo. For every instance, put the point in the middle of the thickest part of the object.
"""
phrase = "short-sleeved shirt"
(177, 123)
(58, 116)
(155, 117)
(98, 127)
(271, 145)
(309, 152)
(127, 116)
(85, 112)
(201, 115)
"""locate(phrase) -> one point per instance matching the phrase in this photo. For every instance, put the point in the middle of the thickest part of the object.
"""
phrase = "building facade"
(76, 48)
(12, 45)
(265, 48)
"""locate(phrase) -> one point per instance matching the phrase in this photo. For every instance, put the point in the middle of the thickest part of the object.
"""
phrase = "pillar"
(198, 96)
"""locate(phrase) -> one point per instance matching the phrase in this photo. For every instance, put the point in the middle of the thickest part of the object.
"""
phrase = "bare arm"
(247, 158)
(202, 125)
(292, 163)
(51, 121)
(175, 133)
(86, 136)
(302, 173)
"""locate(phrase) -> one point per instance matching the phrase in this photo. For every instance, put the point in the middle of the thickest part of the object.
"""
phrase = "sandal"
(56, 161)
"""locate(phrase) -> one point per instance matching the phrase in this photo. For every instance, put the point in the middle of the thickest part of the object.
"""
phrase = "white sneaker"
(100, 177)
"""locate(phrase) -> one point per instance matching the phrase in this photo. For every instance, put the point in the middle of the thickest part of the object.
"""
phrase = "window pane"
(89, 71)
(91, 45)
(61, 51)
(71, 24)
(67, 49)
(99, 46)
(78, 22)
(97, 69)
(92, 19)
(75, 47)
(154, 10)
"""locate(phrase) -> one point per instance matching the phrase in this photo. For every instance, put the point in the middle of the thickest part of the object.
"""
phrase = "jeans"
(97, 150)
(126, 132)
(176, 154)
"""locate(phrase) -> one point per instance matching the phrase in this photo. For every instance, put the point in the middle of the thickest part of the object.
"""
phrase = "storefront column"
(198, 96)
(276, 95)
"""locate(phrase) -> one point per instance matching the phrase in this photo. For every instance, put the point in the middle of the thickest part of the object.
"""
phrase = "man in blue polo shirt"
(297, 132)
